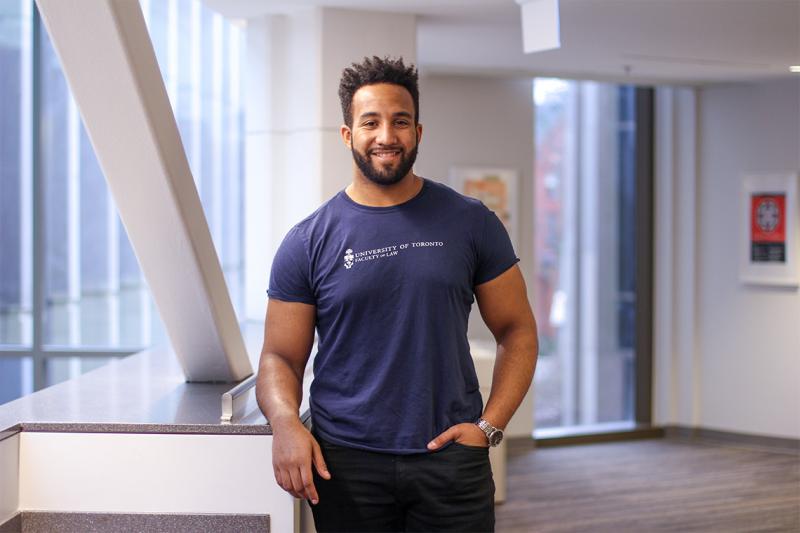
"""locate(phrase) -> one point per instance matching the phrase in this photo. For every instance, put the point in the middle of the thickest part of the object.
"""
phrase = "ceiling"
(640, 41)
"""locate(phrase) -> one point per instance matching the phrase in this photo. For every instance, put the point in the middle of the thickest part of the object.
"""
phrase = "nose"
(386, 134)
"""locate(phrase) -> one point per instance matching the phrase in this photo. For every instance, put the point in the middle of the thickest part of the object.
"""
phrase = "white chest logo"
(348, 258)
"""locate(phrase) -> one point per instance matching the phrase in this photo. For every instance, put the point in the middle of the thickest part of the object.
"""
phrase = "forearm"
(278, 390)
(514, 366)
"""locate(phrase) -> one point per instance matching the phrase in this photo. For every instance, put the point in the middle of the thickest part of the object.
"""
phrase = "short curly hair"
(372, 71)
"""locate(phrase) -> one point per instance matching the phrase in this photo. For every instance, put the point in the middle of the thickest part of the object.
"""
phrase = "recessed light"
(795, 69)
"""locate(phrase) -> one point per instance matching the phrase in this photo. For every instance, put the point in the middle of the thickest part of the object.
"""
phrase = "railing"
(234, 402)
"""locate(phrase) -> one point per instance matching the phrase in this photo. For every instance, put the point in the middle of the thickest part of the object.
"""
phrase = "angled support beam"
(110, 66)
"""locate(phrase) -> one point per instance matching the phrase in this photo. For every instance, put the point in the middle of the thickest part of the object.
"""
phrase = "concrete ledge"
(10, 432)
(36, 521)
(176, 429)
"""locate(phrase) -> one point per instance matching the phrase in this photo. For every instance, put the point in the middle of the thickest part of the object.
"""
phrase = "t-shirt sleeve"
(289, 279)
(495, 251)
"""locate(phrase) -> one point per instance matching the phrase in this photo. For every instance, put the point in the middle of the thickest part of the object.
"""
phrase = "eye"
(403, 123)
(369, 124)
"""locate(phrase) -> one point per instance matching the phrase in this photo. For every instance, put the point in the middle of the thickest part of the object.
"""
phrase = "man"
(387, 271)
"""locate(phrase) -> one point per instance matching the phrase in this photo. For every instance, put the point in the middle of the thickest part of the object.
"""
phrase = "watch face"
(495, 437)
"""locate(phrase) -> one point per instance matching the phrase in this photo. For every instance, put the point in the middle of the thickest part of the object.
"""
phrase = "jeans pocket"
(474, 449)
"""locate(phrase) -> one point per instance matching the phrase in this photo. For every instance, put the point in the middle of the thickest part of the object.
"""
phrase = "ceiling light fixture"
(540, 25)
(795, 69)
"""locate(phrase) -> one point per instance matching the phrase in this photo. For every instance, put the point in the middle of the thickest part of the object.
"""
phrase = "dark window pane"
(16, 377)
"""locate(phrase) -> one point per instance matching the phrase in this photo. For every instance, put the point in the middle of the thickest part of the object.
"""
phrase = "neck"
(365, 192)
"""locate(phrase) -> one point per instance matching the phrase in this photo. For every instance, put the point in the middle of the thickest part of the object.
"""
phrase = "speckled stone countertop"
(142, 393)
(66, 522)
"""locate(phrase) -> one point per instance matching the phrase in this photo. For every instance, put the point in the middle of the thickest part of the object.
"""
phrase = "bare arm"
(288, 338)
(503, 303)
(504, 306)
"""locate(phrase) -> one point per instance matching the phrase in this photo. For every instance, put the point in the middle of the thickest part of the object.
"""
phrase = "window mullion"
(26, 172)
(74, 292)
(38, 207)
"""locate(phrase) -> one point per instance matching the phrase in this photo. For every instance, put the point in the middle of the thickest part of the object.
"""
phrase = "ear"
(347, 135)
(419, 132)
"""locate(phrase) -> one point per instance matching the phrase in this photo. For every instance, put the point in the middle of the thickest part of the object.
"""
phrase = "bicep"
(289, 332)
(503, 302)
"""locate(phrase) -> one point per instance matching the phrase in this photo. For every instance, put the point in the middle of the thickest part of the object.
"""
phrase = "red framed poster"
(768, 228)
(770, 249)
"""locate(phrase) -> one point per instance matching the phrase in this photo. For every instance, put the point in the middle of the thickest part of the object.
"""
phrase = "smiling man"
(386, 272)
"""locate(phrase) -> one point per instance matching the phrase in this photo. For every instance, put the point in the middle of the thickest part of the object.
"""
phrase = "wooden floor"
(650, 485)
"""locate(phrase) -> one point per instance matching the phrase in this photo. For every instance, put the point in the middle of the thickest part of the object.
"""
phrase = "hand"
(468, 434)
(293, 451)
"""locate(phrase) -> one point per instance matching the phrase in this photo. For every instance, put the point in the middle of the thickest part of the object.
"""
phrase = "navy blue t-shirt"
(393, 288)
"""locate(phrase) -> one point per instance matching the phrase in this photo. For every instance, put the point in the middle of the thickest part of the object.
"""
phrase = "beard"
(385, 176)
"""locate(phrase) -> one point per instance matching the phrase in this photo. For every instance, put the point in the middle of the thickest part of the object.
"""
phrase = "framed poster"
(496, 188)
(770, 230)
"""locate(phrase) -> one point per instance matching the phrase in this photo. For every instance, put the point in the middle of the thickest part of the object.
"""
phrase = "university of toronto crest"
(348, 258)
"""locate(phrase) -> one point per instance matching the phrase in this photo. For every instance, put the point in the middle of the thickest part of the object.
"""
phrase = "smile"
(385, 154)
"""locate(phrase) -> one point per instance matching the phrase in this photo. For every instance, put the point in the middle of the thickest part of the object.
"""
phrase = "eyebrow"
(370, 114)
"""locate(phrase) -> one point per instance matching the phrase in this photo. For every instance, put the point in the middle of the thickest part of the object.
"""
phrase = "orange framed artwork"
(496, 188)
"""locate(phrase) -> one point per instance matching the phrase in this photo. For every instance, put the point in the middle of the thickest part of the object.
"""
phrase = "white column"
(258, 156)
(295, 156)
(676, 358)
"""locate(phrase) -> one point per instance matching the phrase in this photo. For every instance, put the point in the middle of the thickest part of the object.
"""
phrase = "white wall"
(477, 121)
(748, 338)
(152, 473)
(9, 477)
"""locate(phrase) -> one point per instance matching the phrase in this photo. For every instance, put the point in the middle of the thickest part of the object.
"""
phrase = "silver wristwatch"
(494, 435)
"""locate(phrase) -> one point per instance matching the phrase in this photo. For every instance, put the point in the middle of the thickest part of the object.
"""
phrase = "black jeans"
(448, 490)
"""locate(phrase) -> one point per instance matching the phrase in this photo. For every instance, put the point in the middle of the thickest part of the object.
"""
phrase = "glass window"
(58, 369)
(585, 209)
(16, 284)
(95, 295)
(16, 377)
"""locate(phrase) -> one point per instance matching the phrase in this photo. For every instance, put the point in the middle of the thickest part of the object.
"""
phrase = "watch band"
(493, 434)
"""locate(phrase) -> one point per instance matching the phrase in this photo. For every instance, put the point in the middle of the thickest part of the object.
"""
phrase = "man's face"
(384, 136)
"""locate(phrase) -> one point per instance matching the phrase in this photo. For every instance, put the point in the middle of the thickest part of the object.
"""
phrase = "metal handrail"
(234, 402)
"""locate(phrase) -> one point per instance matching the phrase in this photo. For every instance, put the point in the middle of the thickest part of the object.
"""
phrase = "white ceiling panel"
(686, 41)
